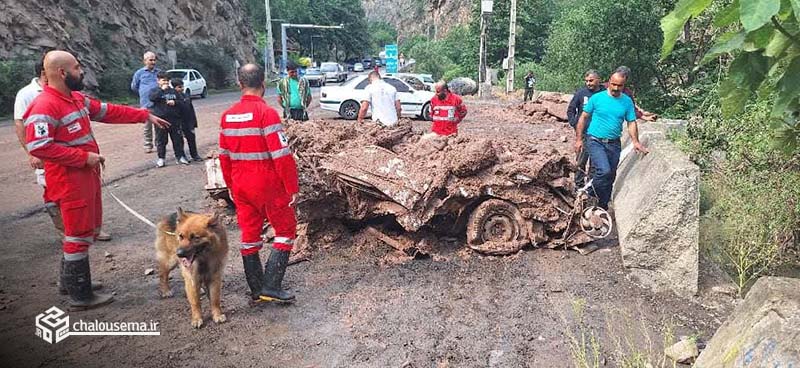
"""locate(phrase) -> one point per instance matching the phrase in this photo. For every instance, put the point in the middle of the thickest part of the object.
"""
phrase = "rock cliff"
(432, 18)
(115, 34)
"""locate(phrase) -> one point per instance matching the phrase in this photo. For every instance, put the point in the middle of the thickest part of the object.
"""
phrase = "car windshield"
(329, 68)
(313, 72)
(427, 79)
(177, 74)
(352, 82)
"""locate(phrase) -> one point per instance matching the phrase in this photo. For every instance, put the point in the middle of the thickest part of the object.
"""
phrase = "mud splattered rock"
(463, 86)
(685, 351)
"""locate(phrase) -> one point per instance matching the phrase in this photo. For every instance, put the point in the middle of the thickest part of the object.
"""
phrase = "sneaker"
(197, 158)
(183, 160)
(160, 162)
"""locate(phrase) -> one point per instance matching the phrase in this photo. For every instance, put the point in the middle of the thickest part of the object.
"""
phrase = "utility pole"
(269, 53)
(486, 11)
(512, 37)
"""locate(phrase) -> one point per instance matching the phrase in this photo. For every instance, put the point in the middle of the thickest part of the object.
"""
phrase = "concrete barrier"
(763, 331)
(656, 205)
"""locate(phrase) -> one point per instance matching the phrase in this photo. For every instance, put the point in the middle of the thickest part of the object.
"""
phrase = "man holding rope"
(58, 131)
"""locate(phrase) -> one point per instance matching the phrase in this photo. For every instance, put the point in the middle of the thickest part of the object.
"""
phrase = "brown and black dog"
(200, 244)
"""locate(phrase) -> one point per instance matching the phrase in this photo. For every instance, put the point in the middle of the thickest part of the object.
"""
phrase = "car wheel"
(204, 94)
(495, 221)
(189, 92)
(349, 110)
(426, 112)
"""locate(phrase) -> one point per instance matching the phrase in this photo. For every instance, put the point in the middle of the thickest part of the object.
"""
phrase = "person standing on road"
(607, 111)
(24, 97)
(144, 80)
(592, 80)
(58, 131)
(447, 110)
(189, 118)
(294, 94)
(165, 106)
(530, 83)
(383, 99)
(258, 166)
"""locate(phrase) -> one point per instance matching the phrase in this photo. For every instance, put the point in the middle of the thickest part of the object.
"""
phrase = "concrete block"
(763, 331)
(657, 210)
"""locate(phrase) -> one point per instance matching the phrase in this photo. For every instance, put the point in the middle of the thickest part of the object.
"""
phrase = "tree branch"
(786, 33)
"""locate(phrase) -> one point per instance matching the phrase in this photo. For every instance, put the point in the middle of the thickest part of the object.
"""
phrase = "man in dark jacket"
(189, 118)
(530, 83)
(581, 96)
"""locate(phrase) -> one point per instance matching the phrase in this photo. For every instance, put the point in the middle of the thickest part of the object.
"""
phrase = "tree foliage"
(762, 40)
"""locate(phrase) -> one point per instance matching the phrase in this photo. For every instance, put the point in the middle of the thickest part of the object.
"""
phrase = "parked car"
(346, 99)
(367, 63)
(418, 81)
(358, 67)
(334, 72)
(193, 82)
(427, 79)
(315, 77)
(378, 62)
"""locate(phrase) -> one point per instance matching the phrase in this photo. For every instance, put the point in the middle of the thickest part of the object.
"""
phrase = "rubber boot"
(78, 279)
(273, 277)
(253, 274)
(63, 289)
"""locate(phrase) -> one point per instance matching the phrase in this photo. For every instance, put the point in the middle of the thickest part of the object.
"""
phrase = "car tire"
(204, 94)
(496, 221)
(426, 112)
(189, 93)
(349, 110)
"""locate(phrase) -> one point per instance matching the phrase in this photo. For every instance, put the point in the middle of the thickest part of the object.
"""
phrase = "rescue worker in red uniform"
(261, 175)
(447, 110)
(58, 131)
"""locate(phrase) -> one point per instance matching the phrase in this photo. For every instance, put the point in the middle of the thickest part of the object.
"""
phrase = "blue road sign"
(391, 58)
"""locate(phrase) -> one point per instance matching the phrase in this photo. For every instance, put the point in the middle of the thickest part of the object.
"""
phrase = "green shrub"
(115, 83)
(14, 74)
(211, 61)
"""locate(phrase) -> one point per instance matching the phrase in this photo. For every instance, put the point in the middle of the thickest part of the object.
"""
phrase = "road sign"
(391, 58)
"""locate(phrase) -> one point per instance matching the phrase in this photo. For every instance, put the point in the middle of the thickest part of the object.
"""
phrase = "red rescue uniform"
(447, 113)
(58, 131)
(260, 172)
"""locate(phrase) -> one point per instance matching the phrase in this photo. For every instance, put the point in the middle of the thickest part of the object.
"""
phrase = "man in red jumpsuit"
(58, 131)
(261, 174)
(447, 110)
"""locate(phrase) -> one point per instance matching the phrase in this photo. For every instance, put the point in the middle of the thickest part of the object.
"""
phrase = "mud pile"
(548, 107)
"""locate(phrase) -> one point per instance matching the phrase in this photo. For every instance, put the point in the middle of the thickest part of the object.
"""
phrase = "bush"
(115, 83)
(14, 74)
(212, 61)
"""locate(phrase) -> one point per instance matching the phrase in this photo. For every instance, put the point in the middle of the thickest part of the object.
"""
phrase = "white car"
(334, 72)
(193, 82)
(346, 99)
(358, 67)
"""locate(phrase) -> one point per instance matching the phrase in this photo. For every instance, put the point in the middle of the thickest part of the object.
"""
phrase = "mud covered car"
(501, 196)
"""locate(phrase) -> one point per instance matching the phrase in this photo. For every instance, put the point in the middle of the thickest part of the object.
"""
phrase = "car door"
(201, 82)
(408, 102)
(191, 83)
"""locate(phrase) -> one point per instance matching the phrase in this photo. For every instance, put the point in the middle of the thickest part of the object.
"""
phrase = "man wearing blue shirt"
(607, 110)
(144, 81)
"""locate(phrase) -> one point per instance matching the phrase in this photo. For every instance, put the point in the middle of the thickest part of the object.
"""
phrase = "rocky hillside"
(111, 34)
(433, 18)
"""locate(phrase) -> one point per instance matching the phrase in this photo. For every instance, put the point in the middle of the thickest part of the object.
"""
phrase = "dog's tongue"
(186, 262)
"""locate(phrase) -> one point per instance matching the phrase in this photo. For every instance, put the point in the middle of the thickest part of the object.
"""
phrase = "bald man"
(58, 132)
(144, 81)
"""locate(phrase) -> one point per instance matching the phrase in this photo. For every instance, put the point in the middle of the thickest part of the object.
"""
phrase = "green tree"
(601, 35)
(381, 34)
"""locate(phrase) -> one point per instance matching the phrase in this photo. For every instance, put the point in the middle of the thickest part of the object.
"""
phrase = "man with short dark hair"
(261, 175)
(294, 94)
(447, 110)
(58, 131)
(592, 80)
(383, 99)
(143, 81)
(607, 111)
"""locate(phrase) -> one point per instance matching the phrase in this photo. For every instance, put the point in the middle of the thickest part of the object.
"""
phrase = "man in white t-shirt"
(382, 97)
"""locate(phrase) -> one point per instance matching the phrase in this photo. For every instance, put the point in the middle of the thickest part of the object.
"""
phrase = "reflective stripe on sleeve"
(280, 153)
(39, 143)
(41, 117)
(103, 109)
(282, 240)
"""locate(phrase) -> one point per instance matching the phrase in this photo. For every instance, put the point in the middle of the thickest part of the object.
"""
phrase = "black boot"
(273, 277)
(253, 274)
(78, 279)
(63, 289)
